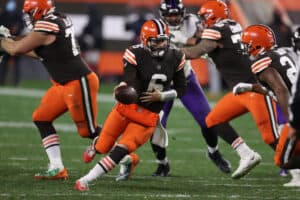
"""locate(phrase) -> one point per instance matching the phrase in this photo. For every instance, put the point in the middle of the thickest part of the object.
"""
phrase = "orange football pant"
(79, 97)
(262, 109)
(286, 147)
(131, 134)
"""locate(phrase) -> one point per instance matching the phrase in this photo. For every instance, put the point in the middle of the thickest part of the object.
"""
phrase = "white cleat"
(295, 182)
(246, 164)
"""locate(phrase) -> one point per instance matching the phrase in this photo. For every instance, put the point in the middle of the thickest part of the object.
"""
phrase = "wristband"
(168, 95)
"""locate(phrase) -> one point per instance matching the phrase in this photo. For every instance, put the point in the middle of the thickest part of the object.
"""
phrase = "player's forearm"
(204, 47)
(194, 52)
(8, 45)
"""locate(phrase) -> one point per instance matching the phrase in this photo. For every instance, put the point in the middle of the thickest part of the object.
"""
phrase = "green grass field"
(193, 175)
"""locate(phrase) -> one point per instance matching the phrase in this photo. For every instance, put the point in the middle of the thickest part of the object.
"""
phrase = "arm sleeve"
(179, 79)
(129, 73)
(130, 67)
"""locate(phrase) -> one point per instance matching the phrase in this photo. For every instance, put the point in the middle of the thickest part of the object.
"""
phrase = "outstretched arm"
(27, 44)
(205, 46)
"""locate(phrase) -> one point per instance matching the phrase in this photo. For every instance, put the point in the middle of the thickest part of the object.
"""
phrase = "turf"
(193, 176)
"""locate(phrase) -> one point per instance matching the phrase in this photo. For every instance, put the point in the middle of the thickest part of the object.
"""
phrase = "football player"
(221, 40)
(184, 30)
(149, 67)
(75, 86)
(276, 71)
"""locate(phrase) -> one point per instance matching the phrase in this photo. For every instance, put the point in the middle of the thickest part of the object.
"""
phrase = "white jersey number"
(291, 72)
(156, 82)
(71, 33)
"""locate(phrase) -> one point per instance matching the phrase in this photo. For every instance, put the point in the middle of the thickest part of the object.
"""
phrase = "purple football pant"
(280, 116)
(194, 100)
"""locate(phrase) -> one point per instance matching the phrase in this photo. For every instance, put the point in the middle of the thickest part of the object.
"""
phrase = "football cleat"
(283, 172)
(127, 166)
(246, 164)
(162, 170)
(90, 152)
(295, 182)
(54, 174)
(81, 186)
(219, 161)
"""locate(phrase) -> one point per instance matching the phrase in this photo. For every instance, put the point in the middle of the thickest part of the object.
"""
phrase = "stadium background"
(116, 38)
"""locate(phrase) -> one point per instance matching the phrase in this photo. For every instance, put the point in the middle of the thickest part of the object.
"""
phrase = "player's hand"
(151, 96)
(241, 88)
(178, 37)
(4, 32)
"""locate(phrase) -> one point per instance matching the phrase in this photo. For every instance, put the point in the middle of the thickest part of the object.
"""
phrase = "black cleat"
(162, 170)
(220, 162)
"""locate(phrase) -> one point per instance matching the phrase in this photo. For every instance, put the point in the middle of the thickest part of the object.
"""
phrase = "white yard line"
(36, 93)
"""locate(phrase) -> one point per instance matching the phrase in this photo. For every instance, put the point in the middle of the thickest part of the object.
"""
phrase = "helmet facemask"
(172, 13)
(158, 46)
(248, 49)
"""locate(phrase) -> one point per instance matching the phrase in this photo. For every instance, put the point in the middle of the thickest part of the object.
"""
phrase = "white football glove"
(178, 37)
(241, 88)
(4, 32)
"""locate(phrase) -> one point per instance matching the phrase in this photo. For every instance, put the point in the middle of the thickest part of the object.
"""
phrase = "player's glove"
(4, 32)
(178, 37)
(241, 88)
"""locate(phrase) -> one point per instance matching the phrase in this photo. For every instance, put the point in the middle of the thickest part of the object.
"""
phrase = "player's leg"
(263, 111)
(197, 104)
(281, 121)
(127, 165)
(158, 143)
(113, 126)
(287, 156)
(132, 138)
(226, 109)
(81, 99)
(52, 105)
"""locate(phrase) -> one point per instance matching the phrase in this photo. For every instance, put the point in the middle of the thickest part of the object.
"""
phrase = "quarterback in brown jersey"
(150, 68)
(221, 40)
(276, 72)
(74, 88)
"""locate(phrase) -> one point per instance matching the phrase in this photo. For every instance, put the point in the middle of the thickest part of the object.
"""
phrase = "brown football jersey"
(233, 66)
(61, 58)
(146, 73)
(281, 62)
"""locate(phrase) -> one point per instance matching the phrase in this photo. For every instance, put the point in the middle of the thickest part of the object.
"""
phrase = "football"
(126, 94)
